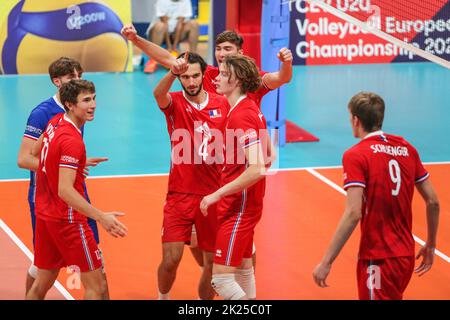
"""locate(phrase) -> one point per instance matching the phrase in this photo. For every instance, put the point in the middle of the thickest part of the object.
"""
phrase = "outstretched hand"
(112, 225)
(92, 162)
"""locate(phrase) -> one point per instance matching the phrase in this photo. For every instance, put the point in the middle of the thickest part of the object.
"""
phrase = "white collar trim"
(200, 106)
(237, 102)
(375, 133)
(71, 122)
(58, 103)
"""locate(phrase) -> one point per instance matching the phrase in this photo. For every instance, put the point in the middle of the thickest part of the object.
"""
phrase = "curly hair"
(69, 91)
(245, 70)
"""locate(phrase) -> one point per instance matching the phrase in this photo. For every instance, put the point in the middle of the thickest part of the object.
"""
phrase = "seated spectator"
(171, 25)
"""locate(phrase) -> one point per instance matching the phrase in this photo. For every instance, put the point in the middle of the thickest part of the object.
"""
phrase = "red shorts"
(181, 213)
(384, 279)
(235, 237)
(61, 244)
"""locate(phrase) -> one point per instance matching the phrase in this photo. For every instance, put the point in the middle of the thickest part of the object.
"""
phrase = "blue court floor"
(131, 131)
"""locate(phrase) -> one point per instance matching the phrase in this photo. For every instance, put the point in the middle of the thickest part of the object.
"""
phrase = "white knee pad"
(246, 280)
(32, 271)
(226, 286)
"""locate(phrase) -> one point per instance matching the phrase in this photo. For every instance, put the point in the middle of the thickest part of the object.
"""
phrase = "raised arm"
(276, 79)
(161, 91)
(161, 55)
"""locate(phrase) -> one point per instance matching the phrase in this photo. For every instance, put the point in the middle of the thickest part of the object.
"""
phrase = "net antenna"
(372, 24)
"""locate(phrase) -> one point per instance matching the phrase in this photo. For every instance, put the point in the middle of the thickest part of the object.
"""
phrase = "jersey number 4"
(394, 172)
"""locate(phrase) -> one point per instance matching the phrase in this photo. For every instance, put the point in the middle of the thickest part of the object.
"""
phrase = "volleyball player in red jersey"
(195, 118)
(227, 43)
(380, 173)
(230, 43)
(240, 197)
(63, 236)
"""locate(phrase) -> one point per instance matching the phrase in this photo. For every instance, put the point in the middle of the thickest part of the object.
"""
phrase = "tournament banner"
(318, 37)
(34, 33)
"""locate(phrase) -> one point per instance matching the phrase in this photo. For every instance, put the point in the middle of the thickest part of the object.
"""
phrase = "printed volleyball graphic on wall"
(39, 32)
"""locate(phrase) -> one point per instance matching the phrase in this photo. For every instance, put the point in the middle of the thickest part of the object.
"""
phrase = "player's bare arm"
(352, 215)
(276, 79)
(161, 91)
(254, 172)
(69, 195)
(36, 148)
(26, 159)
(427, 192)
(162, 56)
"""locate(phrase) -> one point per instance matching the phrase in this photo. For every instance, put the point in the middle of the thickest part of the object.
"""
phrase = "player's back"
(62, 147)
(388, 167)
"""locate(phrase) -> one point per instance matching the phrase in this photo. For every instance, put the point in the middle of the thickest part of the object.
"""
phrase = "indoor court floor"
(304, 197)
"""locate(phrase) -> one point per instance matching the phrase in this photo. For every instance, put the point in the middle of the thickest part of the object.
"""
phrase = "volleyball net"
(418, 26)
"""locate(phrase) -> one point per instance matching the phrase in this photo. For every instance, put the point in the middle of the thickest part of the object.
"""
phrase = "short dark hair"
(245, 70)
(232, 37)
(69, 91)
(195, 58)
(64, 66)
(368, 107)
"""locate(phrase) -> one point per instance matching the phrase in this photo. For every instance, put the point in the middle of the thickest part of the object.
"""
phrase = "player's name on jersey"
(393, 151)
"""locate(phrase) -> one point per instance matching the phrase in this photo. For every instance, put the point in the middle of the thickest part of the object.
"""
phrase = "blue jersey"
(36, 124)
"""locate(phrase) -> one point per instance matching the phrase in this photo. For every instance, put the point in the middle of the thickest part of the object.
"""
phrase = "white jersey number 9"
(394, 172)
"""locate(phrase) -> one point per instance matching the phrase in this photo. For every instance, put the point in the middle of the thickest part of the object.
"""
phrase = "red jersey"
(196, 154)
(62, 147)
(387, 167)
(212, 72)
(243, 126)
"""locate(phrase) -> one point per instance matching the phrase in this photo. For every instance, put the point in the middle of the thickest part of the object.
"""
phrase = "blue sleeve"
(37, 121)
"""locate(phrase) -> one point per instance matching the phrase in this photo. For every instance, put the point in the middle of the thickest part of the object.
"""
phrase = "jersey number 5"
(394, 172)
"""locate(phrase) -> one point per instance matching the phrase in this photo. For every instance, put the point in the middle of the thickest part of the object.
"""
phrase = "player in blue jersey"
(60, 71)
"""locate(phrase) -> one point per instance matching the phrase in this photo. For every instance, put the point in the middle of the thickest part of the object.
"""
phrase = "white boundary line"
(381, 34)
(30, 256)
(342, 191)
(166, 174)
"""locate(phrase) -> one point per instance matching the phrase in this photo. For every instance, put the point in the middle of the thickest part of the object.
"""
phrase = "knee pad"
(226, 286)
(246, 280)
(32, 271)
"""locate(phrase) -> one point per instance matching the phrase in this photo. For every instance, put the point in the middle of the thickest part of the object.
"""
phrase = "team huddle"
(216, 181)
